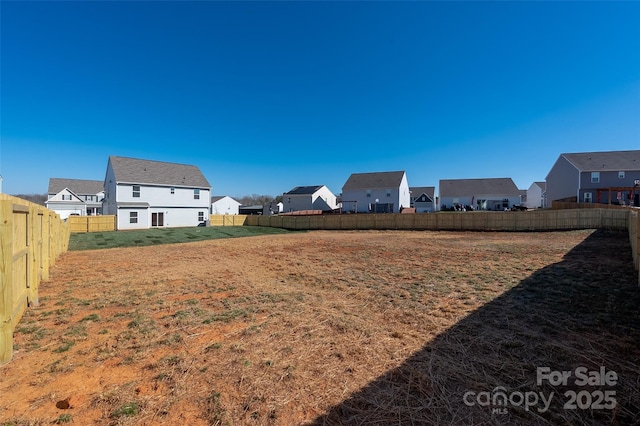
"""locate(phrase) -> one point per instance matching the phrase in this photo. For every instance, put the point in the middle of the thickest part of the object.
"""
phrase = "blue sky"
(266, 96)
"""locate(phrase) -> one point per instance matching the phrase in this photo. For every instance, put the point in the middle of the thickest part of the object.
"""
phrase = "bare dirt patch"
(326, 328)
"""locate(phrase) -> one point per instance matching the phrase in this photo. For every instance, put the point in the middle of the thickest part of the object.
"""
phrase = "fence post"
(637, 259)
(33, 258)
(6, 290)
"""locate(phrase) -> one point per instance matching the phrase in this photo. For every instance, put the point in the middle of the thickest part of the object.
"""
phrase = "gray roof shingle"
(605, 161)
(417, 191)
(471, 187)
(78, 186)
(374, 180)
(150, 172)
(220, 197)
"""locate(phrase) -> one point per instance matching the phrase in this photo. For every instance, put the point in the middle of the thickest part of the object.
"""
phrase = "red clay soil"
(286, 329)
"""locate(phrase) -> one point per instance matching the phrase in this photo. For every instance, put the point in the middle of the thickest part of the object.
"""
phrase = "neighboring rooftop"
(604, 161)
(417, 191)
(133, 170)
(471, 187)
(77, 186)
(220, 197)
(374, 180)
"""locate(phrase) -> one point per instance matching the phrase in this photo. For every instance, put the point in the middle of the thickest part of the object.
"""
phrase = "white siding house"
(317, 197)
(144, 194)
(535, 195)
(223, 204)
(75, 197)
(480, 194)
(381, 192)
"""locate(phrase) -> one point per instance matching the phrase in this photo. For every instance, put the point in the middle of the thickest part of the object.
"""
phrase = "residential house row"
(147, 193)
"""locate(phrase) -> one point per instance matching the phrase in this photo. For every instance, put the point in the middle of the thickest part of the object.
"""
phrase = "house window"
(196, 194)
(200, 216)
(595, 177)
(133, 217)
(587, 197)
(620, 175)
(136, 191)
(388, 193)
(173, 190)
(368, 193)
(66, 197)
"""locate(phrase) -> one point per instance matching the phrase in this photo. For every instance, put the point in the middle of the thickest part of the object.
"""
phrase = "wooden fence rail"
(564, 205)
(31, 238)
(538, 220)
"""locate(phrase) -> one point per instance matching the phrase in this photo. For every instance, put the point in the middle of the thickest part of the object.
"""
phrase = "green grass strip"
(148, 237)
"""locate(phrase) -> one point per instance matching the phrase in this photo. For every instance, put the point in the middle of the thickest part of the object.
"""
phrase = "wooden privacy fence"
(31, 238)
(91, 223)
(538, 220)
(563, 205)
(227, 220)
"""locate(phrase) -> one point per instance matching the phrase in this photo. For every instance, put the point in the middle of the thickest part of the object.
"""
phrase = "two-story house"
(145, 193)
(608, 177)
(75, 197)
(378, 192)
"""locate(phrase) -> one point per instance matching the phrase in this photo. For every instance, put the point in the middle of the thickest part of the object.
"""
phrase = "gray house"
(480, 194)
(611, 177)
(75, 197)
(423, 198)
(380, 192)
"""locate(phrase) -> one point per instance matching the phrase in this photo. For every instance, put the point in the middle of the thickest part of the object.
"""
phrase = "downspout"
(578, 193)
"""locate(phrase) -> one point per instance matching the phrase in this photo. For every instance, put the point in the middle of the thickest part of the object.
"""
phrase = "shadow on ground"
(580, 312)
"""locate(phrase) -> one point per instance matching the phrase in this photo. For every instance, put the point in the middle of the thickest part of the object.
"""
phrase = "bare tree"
(34, 198)
(255, 199)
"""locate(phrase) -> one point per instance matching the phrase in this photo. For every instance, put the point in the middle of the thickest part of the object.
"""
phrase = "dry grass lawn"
(329, 328)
